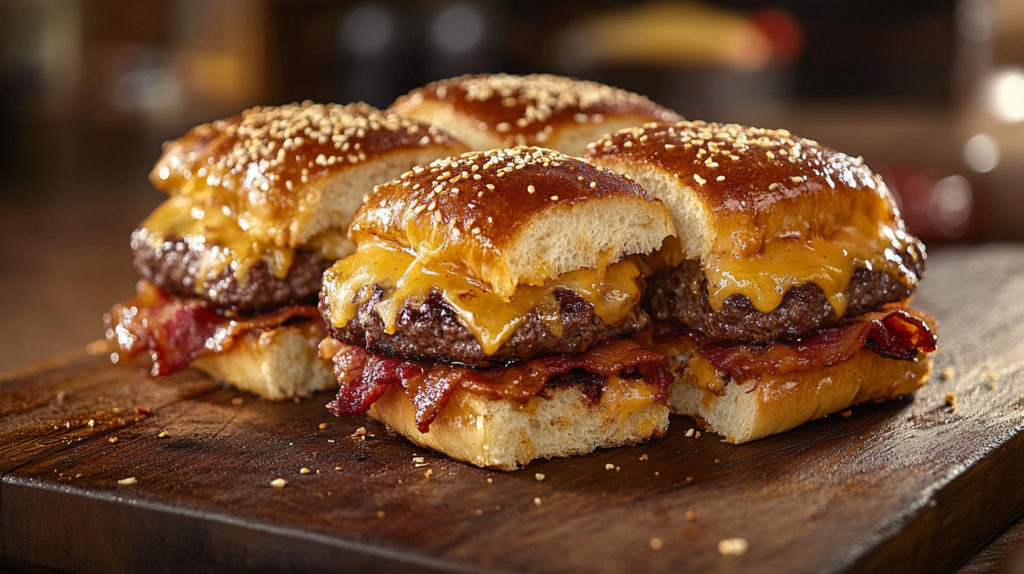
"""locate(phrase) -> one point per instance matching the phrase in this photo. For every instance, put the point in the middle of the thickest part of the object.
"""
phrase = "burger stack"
(516, 302)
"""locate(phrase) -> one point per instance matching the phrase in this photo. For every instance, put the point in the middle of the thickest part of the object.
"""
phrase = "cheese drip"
(210, 226)
(828, 262)
(612, 290)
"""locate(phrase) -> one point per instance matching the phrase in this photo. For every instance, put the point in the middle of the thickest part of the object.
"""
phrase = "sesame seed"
(699, 179)
(593, 184)
(127, 481)
(539, 476)
(720, 178)
(797, 179)
(163, 434)
(323, 426)
(733, 547)
(304, 470)
(530, 189)
(278, 483)
(537, 501)
(554, 198)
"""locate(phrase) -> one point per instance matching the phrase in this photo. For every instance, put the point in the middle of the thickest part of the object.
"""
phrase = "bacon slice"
(895, 334)
(175, 330)
(364, 376)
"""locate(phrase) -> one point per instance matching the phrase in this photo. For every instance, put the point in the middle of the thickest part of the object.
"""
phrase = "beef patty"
(175, 266)
(671, 301)
(431, 331)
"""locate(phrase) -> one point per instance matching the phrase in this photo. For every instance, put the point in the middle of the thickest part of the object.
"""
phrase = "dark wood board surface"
(909, 486)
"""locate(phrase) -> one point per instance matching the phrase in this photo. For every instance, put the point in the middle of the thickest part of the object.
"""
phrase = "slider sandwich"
(488, 308)
(496, 111)
(231, 264)
(786, 296)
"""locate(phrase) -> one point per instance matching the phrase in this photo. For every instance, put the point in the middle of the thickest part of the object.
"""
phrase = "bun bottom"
(277, 364)
(777, 403)
(506, 434)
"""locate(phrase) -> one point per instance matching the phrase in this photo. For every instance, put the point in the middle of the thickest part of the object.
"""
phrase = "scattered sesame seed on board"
(238, 401)
(951, 402)
(540, 477)
(323, 426)
(609, 466)
(689, 432)
(537, 501)
(304, 470)
(163, 434)
(127, 481)
(947, 373)
(278, 483)
(733, 547)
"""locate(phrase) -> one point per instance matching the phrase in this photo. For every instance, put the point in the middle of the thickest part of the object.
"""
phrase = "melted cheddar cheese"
(612, 290)
(828, 262)
(210, 226)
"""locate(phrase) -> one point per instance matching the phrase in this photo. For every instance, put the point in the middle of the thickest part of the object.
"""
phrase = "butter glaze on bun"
(731, 188)
(500, 110)
(290, 172)
(516, 216)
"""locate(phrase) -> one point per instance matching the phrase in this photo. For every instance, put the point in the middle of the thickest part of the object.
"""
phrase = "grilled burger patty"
(670, 300)
(175, 265)
(431, 331)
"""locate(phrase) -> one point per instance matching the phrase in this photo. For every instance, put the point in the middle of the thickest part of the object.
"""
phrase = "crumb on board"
(278, 483)
(337, 468)
(846, 414)
(947, 373)
(127, 481)
(993, 386)
(323, 426)
(656, 544)
(688, 479)
(479, 512)
(490, 480)
(609, 466)
(429, 473)
(112, 440)
(733, 547)
(238, 401)
(689, 432)
(643, 457)
(537, 501)
(951, 402)
(696, 434)
(163, 434)
(691, 516)
(91, 423)
(380, 514)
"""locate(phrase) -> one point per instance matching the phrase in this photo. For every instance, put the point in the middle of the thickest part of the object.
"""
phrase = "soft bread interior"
(572, 139)
(331, 203)
(691, 218)
(584, 236)
(753, 410)
(276, 364)
(460, 126)
(506, 434)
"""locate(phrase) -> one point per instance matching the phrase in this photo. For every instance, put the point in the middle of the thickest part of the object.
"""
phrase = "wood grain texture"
(909, 486)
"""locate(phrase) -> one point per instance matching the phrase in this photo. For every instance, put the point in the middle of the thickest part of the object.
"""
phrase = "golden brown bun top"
(277, 165)
(527, 109)
(511, 216)
(735, 187)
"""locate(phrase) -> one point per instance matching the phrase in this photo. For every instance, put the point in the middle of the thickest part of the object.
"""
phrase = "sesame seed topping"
(530, 189)
(699, 179)
(554, 198)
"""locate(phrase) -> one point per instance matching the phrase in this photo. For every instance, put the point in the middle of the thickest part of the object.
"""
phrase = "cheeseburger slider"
(788, 288)
(496, 111)
(231, 263)
(488, 308)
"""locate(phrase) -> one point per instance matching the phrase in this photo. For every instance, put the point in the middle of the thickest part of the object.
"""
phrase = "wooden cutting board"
(905, 486)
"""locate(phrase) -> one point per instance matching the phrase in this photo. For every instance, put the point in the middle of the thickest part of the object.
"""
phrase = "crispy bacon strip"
(175, 330)
(364, 376)
(894, 334)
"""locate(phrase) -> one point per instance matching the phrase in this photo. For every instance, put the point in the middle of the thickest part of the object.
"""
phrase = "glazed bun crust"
(500, 110)
(290, 172)
(731, 188)
(516, 216)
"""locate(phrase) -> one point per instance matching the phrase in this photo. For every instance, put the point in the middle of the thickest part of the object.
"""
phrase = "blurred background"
(930, 92)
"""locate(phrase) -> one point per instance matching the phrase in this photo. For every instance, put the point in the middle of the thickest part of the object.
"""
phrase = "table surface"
(909, 484)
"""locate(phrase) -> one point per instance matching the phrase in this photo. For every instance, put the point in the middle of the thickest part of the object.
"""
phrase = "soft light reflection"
(458, 28)
(1006, 95)
(974, 20)
(367, 30)
(981, 153)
